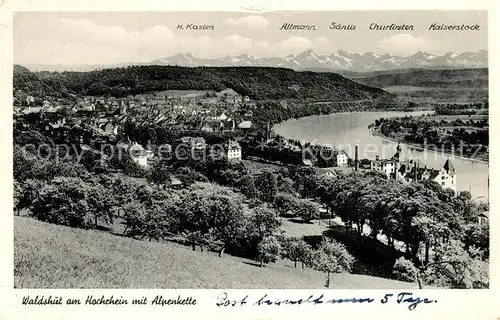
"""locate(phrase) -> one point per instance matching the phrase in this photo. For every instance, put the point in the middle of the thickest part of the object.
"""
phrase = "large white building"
(230, 150)
(341, 158)
(138, 154)
(233, 151)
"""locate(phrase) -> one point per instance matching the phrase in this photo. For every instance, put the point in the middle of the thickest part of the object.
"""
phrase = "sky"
(78, 38)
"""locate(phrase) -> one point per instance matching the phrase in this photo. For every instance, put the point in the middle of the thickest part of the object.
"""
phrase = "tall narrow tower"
(356, 160)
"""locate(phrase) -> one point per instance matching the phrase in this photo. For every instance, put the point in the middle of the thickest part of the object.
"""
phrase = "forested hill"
(446, 78)
(258, 83)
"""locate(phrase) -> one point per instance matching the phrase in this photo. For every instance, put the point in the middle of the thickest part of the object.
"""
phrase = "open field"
(51, 256)
(463, 117)
(181, 93)
(441, 95)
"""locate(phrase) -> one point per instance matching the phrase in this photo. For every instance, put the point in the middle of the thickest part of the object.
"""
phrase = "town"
(96, 120)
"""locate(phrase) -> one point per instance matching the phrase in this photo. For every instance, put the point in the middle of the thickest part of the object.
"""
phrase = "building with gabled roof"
(446, 176)
(412, 170)
(137, 152)
(195, 143)
(245, 124)
(233, 151)
(483, 218)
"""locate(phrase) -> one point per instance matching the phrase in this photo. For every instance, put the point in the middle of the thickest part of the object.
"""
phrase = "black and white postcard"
(334, 160)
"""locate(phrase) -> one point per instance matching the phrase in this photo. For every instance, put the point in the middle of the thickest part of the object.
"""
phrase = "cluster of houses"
(231, 150)
(105, 117)
(226, 112)
(412, 170)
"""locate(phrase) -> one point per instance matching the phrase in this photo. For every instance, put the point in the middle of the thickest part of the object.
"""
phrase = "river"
(345, 130)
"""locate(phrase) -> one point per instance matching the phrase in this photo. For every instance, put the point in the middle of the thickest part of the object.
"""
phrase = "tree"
(34, 140)
(247, 186)
(478, 236)
(264, 222)
(347, 203)
(286, 204)
(124, 162)
(229, 177)
(306, 182)
(192, 217)
(285, 185)
(133, 214)
(188, 176)
(332, 257)
(28, 166)
(124, 188)
(28, 193)
(456, 267)
(100, 201)
(18, 192)
(465, 207)
(92, 161)
(23, 163)
(209, 217)
(308, 210)
(297, 250)
(64, 201)
(226, 217)
(160, 173)
(267, 186)
(268, 250)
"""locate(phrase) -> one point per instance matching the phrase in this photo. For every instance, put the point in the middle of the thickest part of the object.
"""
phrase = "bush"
(405, 270)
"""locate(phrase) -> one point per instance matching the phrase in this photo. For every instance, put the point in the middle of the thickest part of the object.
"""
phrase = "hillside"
(443, 78)
(31, 83)
(259, 83)
(52, 256)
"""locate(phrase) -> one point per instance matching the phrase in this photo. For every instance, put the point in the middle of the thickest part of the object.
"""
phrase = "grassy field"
(398, 89)
(51, 256)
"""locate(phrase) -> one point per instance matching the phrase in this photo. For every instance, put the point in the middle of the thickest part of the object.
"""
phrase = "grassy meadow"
(52, 256)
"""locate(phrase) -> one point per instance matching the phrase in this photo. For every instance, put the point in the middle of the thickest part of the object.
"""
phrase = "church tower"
(450, 177)
(398, 156)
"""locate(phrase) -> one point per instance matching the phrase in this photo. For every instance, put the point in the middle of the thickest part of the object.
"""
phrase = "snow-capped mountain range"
(339, 60)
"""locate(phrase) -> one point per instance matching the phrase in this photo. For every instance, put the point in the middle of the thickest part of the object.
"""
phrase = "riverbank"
(377, 133)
